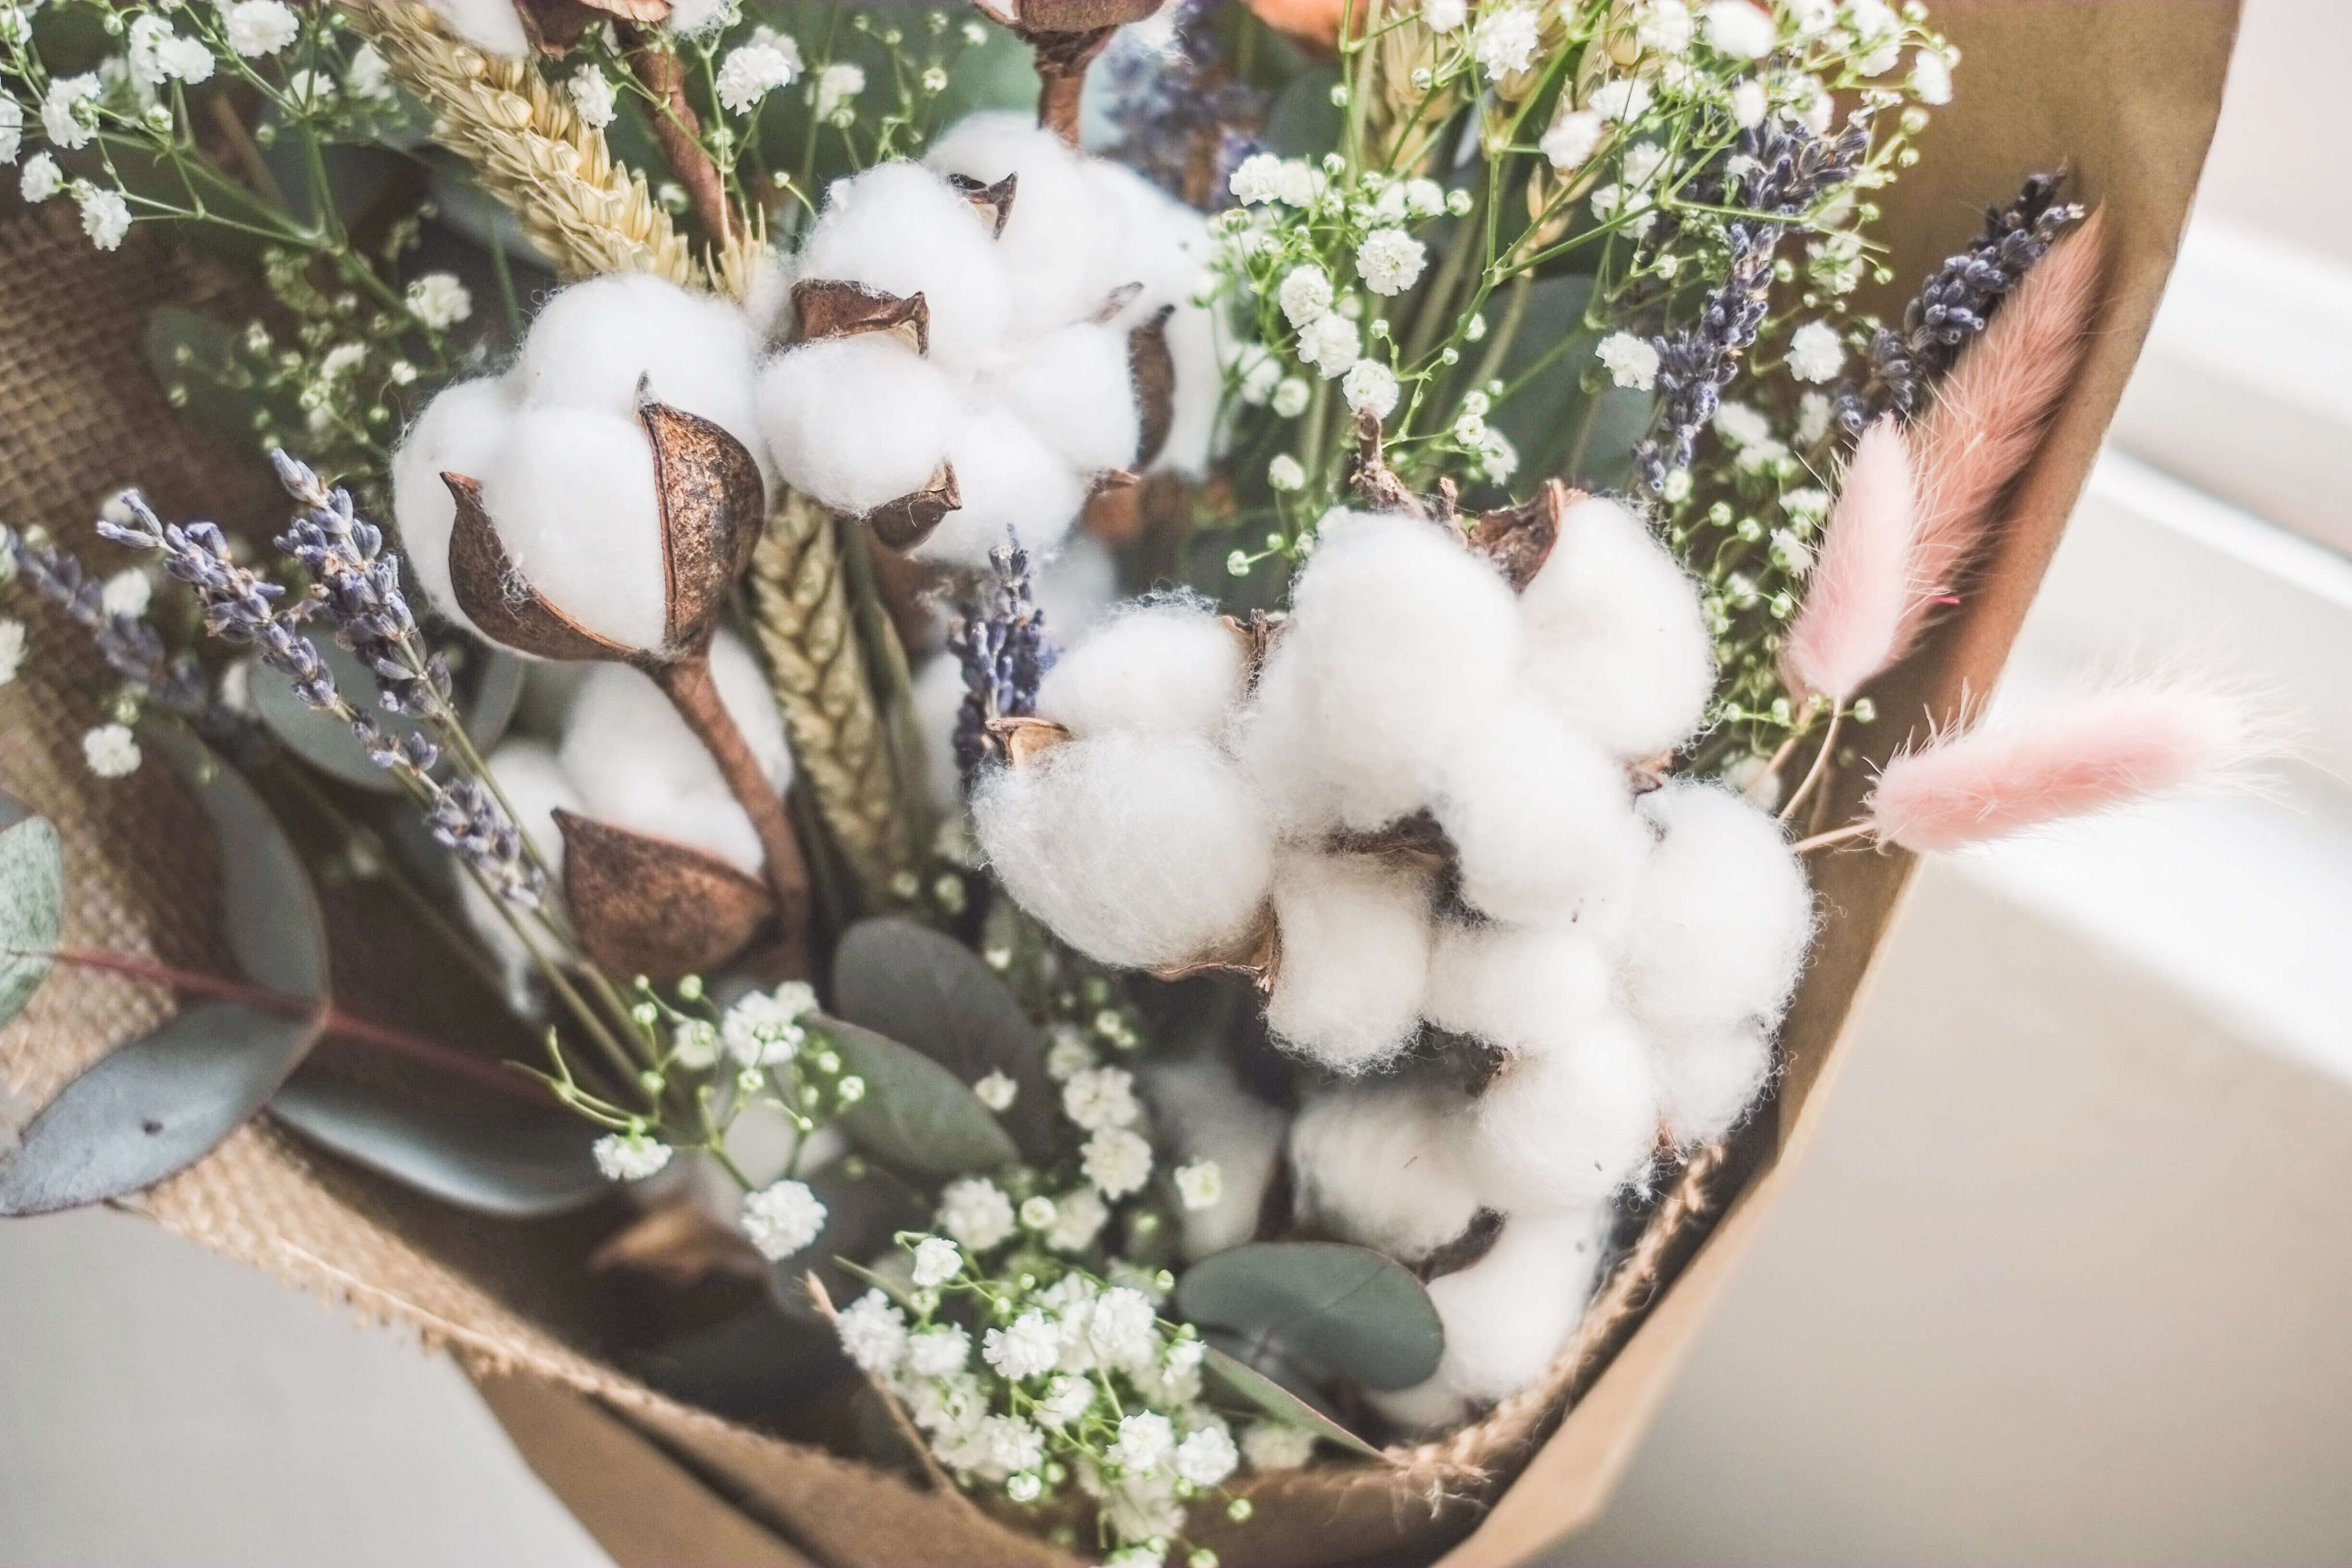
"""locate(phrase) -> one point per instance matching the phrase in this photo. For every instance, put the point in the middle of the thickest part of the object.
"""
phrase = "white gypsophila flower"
(1370, 387)
(1740, 30)
(1748, 102)
(629, 1156)
(1795, 556)
(437, 298)
(256, 29)
(1505, 40)
(1810, 17)
(1810, 502)
(764, 1027)
(1497, 459)
(1066, 1399)
(1331, 343)
(310, 90)
(1642, 160)
(694, 1045)
(1078, 1218)
(592, 98)
(1257, 179)
(127, 592)
(1813, 410)
(69, 111)
(1277, 1445)
(12, 128)
(1573, 138)
(1286, 474)
(936, 1261)
(1116, 1161)
(1290, 398)
(1631, 362)
(975, 1211)
(1424, 198)
(1304, 294)
(1810, 105)
(873, 1332)
(1444, 16)
(1391, 261)
(1623, 99)
(1199, 1184)
(1067, 1051)
(1012, 1443)
(1388, 207)
(12, 649)
(1123, 1329)
(1146, 1441)
(1763, 455)
(1742, 425)
(939, 1351)
(997, 1092)
(1873, 20)
(1298, 182)
(1037, 1213)
(112, 751)
(341, 360)
(1664, 27)
(1470, 429)
(837, 85)
(754, 72)
(781, 1218)
(1101, 1097)
(1931, 76)
(1029, 1346)
(143, 42)
(1207, 1456)
(1816, 352)
(1263, 375)
(369, 75)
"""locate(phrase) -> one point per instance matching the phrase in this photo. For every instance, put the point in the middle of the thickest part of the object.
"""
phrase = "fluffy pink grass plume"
(1862, 582)
(1988, 418)
(2073, 756)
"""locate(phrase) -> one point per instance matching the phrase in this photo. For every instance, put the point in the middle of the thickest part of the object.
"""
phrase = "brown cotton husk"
(679, 1245)
(904, 523)
(491, 590)
(556, 26)
(829, 308)
(1021, 739)
(2124, 91)
(643, 906)
(1519, 539)
(1377, 484)
(993, 203)
(1152, 370)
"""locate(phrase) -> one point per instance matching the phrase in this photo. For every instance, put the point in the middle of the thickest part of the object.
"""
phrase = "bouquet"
(1055, 776)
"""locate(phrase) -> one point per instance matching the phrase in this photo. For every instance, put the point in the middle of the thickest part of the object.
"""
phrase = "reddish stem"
(679, 131)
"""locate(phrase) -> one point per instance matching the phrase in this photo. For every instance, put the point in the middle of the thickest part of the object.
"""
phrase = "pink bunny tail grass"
(2073, 756)
(1988, 418)
(1864, 580)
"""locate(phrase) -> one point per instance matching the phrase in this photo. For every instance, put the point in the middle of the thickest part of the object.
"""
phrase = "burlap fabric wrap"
(2124, 91)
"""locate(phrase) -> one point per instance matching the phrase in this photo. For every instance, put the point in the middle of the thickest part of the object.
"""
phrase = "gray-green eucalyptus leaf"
(507, 1161)
(32, 902)
(1263, 1392)
(915, 1113)
(1331, 1309)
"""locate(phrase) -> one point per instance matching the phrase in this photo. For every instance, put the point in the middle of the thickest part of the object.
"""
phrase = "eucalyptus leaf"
(491, 690)
(156, 1105)
(749, 1367)
(904, 980)
(1303, 121)
(1279, 1401)
(32, 902)
(512, 1162)
(1345, 1310)
(915, 1113)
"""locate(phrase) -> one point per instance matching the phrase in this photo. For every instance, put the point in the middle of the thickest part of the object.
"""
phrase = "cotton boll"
(1009, 482)
(1565, 1126)
(493, 27)
(1169, 667)
(1542, 820)
(1167, 248)
(572, 496)
(857, 421)
(1354, 967)
(1616, 642)
(1140, 850)
(901, 229)
(1707, 1081)
(1059, 237)
(1377, 1164)
(1507, 1316)
(939, 702)
(535, 784)
(1074, 389)
(591, 342)
(460, 432)
(1718, 924)
(1207, 1115)
(1364, 702)
(1078, 588)
(694, 17)
(1518, 989)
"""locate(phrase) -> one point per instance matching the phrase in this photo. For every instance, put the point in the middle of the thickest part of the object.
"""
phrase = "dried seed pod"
(1153, 372)
(1518, 538)
(1023, 739)
(645, 905)
(829, 308)
(993, 201)
(556, 26)
(1371, 478)
(908, 521)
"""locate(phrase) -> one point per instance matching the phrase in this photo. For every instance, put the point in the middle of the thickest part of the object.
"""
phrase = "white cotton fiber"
(939, 701)
(493, 27)
(460, 432)
(1707, 1079)
(901, 229)
(1078, 588)
(1073, 389)
(1542, 820)
(572, 497)
(1718, 922)
(1010, 483)
(1166, 250)
(589, 345)
(1568, 1125)
(1518, 989)
(695, 16)
(1507, 1316)
(1376, 1165)
(1140, 850)
(1060, 237)
(856, 422)
(535, 784)
(1167, 666)
(1615, 638)
(1388, 669)
(1354, 966)
(1207, 1115)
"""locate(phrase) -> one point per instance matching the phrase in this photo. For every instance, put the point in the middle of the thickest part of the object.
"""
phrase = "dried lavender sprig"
(1788, 170)
(1184, 122)
(131, 647)
(1002, 643)
(358, 584)
(1955, 303)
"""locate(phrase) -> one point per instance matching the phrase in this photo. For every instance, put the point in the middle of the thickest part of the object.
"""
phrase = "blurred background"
(2067, 1274)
